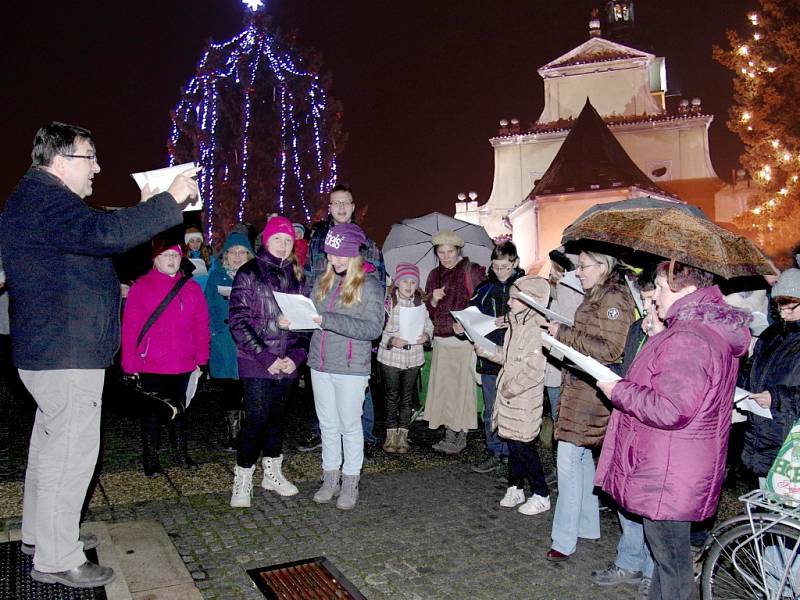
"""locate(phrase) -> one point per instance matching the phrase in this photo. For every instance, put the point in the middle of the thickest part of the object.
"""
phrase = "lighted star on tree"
(253, 5)
(258, 118)
(766, 115)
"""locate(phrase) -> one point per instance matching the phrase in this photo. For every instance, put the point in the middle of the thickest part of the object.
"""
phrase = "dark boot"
(233, 423)
(177, 434)
(150, 444)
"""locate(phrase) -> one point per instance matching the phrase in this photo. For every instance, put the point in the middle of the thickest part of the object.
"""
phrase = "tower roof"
(591, 159)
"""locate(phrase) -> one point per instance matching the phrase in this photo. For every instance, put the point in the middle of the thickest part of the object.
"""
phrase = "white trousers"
(338, 400)
(61, 460)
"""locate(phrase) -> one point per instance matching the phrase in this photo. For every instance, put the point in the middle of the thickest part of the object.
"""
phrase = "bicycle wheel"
(741, 566)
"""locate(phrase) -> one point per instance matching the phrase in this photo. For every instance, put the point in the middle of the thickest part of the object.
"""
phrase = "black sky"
(423, 82)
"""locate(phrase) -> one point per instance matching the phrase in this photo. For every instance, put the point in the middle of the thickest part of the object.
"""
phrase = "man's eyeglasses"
(340, 204)
(502, 268)
(89, 157)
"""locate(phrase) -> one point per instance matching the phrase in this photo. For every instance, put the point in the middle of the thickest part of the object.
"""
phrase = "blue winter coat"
(63, 290)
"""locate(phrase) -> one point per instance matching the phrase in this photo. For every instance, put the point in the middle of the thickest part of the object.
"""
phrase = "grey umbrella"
(410, 241)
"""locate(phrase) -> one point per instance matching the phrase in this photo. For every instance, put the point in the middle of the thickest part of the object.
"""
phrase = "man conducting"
(64, 306)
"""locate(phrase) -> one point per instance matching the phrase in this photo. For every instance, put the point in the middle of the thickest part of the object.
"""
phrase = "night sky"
(423, 82)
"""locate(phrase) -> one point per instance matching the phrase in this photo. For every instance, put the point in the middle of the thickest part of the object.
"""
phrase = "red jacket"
(178, 341)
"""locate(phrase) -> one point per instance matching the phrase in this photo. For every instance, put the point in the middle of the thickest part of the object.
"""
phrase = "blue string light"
(236, 67)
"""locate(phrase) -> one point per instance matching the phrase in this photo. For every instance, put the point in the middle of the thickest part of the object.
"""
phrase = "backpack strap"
(161, 308)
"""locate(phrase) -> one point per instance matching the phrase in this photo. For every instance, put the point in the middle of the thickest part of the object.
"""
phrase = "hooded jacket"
(665, 449)
(776, 369)
(344, 344)
(253, 317)
(223, 363)
(178, 340)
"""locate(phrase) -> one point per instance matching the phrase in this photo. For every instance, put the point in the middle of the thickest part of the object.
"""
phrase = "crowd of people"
(651, 445)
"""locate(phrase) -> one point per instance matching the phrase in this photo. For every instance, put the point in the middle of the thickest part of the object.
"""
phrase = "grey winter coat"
(344, 344)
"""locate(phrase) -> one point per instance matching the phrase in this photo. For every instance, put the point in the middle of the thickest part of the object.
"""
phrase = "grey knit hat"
(788, 284)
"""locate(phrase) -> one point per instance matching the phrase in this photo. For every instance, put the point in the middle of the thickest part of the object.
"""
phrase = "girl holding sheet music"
(601, 327)
(268, 358)
(400, 360)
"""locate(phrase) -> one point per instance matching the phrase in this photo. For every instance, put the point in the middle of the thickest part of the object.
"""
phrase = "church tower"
(620, 21)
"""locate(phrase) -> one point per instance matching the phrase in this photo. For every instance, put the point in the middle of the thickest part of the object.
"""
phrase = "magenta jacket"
(178, 341)
(664, 452)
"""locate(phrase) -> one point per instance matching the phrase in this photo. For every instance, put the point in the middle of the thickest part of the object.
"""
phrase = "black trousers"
(524, 465)
(166, 386)
(231, 398)
(673, 578)
(265, 402)
(398, 389)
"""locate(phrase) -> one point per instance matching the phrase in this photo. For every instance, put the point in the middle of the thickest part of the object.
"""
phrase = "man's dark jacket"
(64, 292)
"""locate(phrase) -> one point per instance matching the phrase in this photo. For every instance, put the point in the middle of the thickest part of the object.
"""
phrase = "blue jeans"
(265, 403)
(552, 394)
(493, 443)
(673, 577)
(577, 510)
(632, 551)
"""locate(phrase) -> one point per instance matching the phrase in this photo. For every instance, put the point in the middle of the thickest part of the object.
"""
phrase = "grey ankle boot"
(330, 487)
(349, 496)
(459, 443)
(446, 441)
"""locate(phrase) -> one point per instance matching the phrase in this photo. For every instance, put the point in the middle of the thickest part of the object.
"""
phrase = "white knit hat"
(788, 284)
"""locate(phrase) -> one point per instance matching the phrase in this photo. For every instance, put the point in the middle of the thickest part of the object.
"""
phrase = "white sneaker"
(273, 477)
(242, 486)
(535, 505)
(513, 497)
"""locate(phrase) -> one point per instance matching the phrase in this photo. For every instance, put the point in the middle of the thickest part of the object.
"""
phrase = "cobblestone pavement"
(425, 527)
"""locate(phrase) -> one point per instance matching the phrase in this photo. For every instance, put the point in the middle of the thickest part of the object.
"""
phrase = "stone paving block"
(10, 499)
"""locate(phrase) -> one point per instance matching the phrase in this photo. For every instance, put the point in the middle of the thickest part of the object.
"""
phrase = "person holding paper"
(350, 306)
(451, 399)
(601, 326)
(399, 359)
(268, 359)
(222, 363)
(664, 453)
(195, 246)
(165, 353)
(774, 379)
(64, 336)
(491, 298)
(517, 412)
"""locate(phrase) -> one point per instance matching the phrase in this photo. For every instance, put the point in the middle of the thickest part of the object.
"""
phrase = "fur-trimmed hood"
(708, 306)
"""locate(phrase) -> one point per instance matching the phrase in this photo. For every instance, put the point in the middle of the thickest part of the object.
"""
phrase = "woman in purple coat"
(664, 452)
(268, 357)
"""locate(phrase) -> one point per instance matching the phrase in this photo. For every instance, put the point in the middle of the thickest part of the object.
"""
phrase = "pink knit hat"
(406, 271)
(345, 239)
(160, 248)
(277, 225)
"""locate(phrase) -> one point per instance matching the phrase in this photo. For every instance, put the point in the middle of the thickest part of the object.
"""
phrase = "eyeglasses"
(340, 204)
(584, 267)
(788, 307)
(502, 268)
(238, 253)
(89, 157)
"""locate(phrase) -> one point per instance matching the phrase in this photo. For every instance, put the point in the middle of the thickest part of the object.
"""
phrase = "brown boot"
(390, 445)
(401, 441)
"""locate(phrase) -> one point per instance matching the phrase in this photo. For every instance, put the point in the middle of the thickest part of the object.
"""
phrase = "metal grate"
(309, 579)
(16, 582)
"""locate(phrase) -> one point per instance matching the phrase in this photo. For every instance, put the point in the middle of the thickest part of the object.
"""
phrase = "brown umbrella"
(674, 233)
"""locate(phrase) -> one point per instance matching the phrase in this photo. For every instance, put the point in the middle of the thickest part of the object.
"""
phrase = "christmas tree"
(258, 118)
(766, 116)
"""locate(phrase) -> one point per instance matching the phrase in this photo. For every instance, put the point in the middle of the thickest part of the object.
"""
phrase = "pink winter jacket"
(178, 341)
(664, 452)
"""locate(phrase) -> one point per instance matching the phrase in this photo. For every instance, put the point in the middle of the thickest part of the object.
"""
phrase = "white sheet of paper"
(191, 387)
(224, 290)
(412, 322)
(553, 316)
(161, 179)
(637, 296)
(199, 266)
(479, 322)
(586, 363)
(759, 323)
(743, 401)
(298, 309)
(570, 279)
(474, 336)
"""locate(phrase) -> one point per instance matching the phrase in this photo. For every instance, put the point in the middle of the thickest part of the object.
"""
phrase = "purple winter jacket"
(253, 317)
(666, 443)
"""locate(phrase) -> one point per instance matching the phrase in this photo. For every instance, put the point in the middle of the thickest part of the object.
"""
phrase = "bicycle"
(755, 554)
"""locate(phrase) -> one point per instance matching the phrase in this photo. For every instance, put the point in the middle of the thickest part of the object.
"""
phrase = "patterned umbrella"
(673, 230)
(410, 241)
